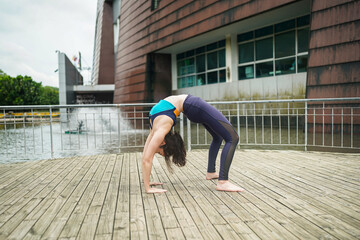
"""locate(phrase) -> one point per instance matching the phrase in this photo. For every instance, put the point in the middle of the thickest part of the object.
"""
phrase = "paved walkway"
(289, 195)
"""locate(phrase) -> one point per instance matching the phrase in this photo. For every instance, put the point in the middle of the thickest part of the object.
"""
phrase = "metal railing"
(40, 132)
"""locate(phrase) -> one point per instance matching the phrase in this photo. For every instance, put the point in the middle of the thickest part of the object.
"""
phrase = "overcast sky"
(31, 32)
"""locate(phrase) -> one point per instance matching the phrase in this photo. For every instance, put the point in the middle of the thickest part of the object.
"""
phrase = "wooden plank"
(73, 224)
(22, 185)
(25, 205)
(303, 206)
(172, 209)
(154, 222)
(324, 200)
(289, 195)
(122, 211)
(46, 197)
(89, 226)
(107, 216)
(252, 208)
(10, 170)
(200, 218)
(138, 228)
(48, 219)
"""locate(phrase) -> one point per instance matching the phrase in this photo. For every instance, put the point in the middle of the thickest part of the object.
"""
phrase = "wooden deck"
(289, 195)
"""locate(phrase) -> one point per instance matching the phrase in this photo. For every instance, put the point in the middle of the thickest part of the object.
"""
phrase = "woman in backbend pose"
(161, 140)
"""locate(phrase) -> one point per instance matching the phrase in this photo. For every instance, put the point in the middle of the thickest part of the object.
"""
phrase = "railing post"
(51, 135)
(182, 125)
(306, 127)
(6, 141)
(352, 129)
(238, 122)
(188, 123)
(119, 134)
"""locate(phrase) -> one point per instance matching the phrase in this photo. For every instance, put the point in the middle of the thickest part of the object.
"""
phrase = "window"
(303, 40)
(264, 49)
(246, 72)
(274, 50)
(203, 65)
(285, 44)
(246, 52)
(154, 4)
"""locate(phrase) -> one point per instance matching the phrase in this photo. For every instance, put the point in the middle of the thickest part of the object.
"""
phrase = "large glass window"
(285, 44)
(264, 48)
(265, 69)
(303, 40)
(246, 52)
(285, 66)
(203, 65)
(246, 72)
(274, 50)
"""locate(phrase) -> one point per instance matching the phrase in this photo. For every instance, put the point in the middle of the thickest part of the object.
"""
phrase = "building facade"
(228, 50)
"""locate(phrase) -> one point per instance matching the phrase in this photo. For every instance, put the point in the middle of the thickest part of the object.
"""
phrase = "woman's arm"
(153, 142)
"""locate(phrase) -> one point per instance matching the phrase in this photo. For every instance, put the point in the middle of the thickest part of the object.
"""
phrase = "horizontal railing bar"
(152, 104)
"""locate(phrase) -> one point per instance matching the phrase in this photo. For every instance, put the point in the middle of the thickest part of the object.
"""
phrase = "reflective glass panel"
(285, 26)
(264, 31)
(222, 75)
(212, 46)
(264, 48)
(200, 63)
(212, 77)
(265, 69)
(245, 36)
(181, 83)
(190, 65)
(221, 58)
(190, 81)
(246, 52)
(212, 60)
(285, 44)
(246, 72)
(303, 21)
(302, 63)
(285, 66)
(181, 68)
(200, 79)
(303, 40)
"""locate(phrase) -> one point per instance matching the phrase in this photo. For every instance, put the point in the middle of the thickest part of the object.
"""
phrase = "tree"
(2, 73)
(24, 91)
(49, 96)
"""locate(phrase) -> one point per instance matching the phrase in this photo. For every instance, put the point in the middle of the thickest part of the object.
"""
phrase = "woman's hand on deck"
(156, 190)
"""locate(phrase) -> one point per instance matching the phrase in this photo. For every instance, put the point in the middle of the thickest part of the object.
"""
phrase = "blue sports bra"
(163, 108)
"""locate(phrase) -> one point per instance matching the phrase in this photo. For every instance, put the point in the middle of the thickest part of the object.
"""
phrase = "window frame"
(205, 53)
(273, 59)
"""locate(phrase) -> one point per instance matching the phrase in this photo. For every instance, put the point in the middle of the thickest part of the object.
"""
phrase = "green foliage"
(50, 96)
(22, 90)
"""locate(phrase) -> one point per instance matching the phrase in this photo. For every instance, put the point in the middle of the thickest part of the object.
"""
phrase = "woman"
(161, 140)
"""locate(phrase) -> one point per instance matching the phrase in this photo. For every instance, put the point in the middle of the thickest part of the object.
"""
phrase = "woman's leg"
(231, 140)
(213, 150)
(199, 111)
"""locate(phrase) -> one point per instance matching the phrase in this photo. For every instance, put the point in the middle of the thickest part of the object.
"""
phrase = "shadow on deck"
(289, 195)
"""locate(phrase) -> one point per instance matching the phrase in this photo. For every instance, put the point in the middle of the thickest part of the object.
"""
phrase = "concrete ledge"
(94, 88)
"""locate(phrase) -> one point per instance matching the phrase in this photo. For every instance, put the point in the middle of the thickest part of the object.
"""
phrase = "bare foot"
(211, 175)
(228, 186)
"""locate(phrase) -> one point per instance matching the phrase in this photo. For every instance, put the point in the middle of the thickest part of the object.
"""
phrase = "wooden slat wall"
(334, 49)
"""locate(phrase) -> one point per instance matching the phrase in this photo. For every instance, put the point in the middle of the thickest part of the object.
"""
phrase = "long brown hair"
(175, 147)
